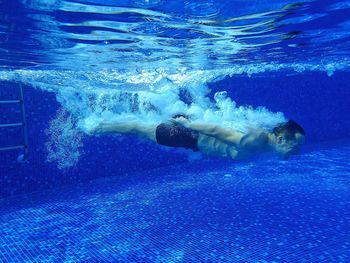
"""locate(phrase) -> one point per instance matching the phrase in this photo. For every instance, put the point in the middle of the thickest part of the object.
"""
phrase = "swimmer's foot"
(92, 125)
(96, 129)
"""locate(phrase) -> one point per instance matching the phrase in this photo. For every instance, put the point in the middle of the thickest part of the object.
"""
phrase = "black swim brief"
(175, 135)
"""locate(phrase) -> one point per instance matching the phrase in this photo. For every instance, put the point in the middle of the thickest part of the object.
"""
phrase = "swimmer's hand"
(181, 121)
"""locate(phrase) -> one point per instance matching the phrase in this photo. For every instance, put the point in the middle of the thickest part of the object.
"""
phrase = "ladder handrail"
(25, 135)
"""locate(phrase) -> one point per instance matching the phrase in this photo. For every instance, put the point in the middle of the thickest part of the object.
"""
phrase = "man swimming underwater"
(285, 139)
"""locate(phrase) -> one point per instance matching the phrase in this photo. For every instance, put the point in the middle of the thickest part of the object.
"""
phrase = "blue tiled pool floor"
(215, 211)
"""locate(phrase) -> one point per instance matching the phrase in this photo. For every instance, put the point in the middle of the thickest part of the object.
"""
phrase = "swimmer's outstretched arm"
(227, 135)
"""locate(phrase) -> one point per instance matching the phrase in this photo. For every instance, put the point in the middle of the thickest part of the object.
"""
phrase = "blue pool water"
(70, 196)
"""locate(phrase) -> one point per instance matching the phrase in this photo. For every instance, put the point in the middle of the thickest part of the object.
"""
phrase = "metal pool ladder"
(20, 101)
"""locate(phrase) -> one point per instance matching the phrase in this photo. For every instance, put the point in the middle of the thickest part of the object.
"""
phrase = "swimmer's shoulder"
(254, 140)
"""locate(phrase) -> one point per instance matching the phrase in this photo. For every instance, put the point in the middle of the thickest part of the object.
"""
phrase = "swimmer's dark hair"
(290, 128)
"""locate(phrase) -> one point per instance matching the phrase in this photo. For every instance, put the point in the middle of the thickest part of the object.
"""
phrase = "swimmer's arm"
(225, 135)
(254, 140)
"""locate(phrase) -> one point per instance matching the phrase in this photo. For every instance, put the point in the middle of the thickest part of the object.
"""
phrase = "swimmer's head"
(287, 138)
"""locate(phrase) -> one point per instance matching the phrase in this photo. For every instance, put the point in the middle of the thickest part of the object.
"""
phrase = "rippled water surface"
(171, 34)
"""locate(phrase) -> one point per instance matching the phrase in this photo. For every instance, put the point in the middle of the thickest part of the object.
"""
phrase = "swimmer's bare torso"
(215, 140)
(211, 139)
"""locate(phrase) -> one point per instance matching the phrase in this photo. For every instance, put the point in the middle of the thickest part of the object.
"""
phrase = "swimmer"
(285, 139)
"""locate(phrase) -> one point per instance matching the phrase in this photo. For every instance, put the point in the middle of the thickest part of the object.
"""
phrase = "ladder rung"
(9, 101)
(11, 125)
(12, 148)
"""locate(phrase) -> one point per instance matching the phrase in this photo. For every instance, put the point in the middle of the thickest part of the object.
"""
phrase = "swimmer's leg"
(141, 129)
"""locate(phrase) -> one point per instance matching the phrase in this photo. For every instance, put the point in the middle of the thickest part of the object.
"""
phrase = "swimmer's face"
(287, 145)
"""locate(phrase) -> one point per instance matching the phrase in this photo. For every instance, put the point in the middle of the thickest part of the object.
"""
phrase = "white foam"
(65, 141)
